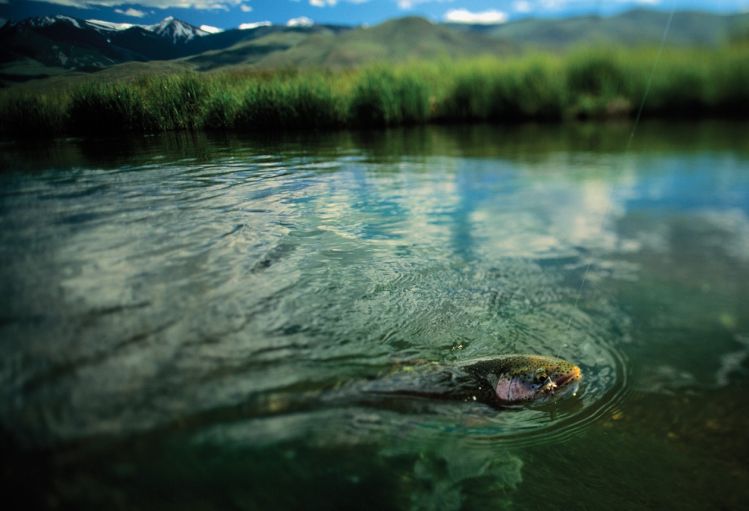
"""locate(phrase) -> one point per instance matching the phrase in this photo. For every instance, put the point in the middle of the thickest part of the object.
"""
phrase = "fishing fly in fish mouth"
(523, 378)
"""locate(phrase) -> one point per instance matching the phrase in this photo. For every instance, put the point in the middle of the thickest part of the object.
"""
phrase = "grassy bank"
(582, 84)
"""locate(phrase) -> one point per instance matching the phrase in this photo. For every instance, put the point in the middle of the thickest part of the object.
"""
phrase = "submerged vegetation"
(539, 87)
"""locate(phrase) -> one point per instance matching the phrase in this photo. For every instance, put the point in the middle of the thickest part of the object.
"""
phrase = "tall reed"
(538, 87)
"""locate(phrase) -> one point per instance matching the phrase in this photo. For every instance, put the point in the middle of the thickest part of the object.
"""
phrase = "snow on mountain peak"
(46, 21)
(211, 30)
(254, 25)
(70, 20)
(109, 25)
(176, 30)
(41, 21)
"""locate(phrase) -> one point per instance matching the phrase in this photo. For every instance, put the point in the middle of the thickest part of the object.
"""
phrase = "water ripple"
(168, 290)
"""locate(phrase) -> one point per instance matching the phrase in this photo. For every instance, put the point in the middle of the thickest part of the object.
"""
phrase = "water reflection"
(528, 143)
(196, 293)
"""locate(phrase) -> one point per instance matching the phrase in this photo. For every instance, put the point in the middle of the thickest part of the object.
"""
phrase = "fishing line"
(638, 117)
(666, 30)
(615, 394)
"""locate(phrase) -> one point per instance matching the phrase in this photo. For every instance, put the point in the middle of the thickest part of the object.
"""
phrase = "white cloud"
(254, 24)
(556, 5)
(492, 17)
(301, 21)
(245, 8)
(322, 3)
(409, 4)
(522, 6)
(553, 5)
(210, 29)
(135, 13)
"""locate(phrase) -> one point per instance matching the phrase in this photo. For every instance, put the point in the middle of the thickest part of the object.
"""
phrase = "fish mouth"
(573, 375)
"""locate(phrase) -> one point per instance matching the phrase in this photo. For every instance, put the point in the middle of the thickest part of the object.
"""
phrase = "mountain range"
(45, 46)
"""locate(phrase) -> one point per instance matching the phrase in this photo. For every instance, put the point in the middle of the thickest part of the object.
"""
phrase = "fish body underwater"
(522, 378)
(500, 381)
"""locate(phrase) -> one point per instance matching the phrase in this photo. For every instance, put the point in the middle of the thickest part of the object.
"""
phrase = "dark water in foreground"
(188, 322)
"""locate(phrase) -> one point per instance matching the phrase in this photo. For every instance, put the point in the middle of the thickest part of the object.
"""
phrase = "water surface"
(193, 321)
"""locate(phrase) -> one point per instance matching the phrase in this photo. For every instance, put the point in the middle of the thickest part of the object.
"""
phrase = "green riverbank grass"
(540, 87)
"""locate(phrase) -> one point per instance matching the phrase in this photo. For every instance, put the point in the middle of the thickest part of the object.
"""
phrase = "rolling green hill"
(633, 28)
(393, 41)
(415, 38)
(252, 51)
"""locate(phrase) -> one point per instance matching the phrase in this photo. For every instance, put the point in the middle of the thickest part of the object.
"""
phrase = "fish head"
(533, 377)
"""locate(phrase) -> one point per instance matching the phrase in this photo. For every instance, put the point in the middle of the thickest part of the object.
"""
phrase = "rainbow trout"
(505, 380)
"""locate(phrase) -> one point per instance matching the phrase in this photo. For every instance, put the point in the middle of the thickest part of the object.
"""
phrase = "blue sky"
(232, 13)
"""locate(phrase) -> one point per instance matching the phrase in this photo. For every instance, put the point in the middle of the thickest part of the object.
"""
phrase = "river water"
(192, 321)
